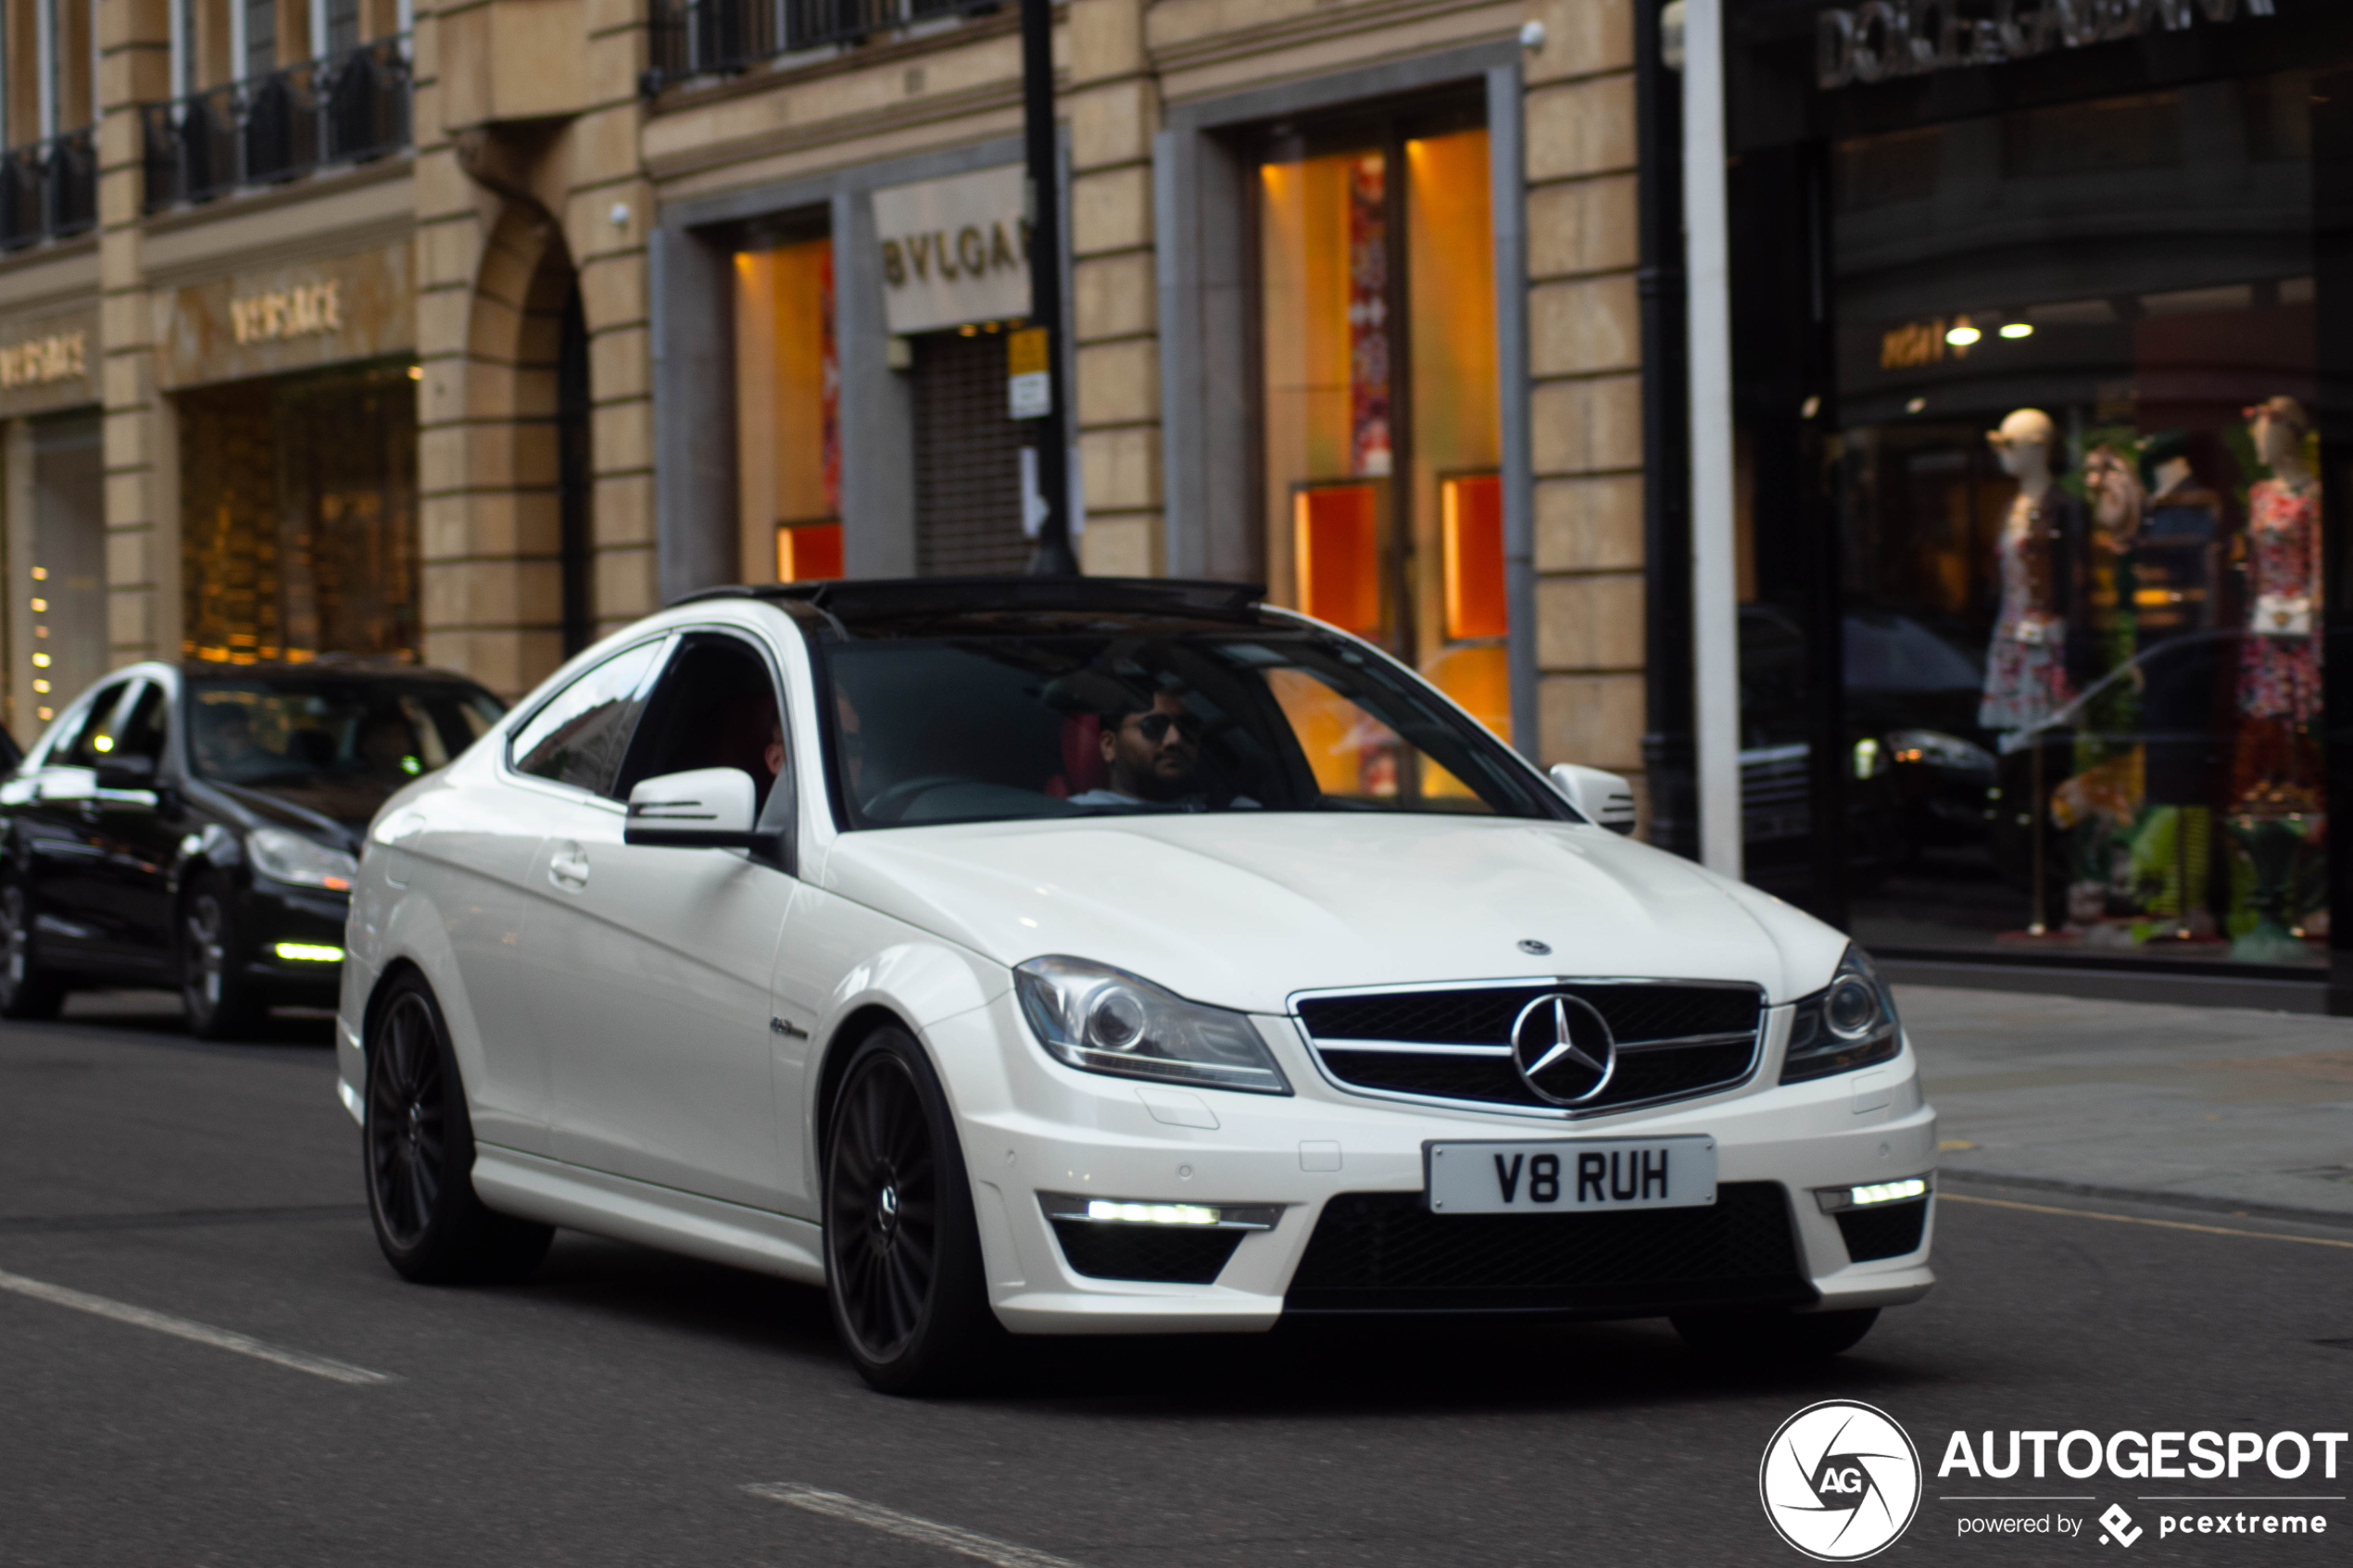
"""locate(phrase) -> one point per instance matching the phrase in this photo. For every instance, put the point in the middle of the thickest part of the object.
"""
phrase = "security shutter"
(968, 458)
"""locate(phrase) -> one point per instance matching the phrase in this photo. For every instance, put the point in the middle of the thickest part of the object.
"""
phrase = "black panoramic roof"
(852, 600)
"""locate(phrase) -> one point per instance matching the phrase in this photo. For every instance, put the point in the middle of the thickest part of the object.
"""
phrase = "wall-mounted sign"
(49, 360)
(274, 320)
(1932, 341)
(1884, 39)
(305, 310)
(954, 250)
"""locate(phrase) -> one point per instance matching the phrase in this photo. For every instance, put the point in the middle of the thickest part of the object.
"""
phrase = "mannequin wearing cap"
(2026, 677)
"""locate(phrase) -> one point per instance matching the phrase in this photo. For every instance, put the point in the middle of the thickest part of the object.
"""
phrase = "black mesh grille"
(1483, 1017)
(1386, 1252)
(1171, 1254)
(1634, 1013)
(1883, 1231)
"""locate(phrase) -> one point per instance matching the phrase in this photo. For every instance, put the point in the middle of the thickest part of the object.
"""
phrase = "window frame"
(524, 717)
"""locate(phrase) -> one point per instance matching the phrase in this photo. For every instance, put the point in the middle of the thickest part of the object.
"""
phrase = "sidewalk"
(2209, 1105)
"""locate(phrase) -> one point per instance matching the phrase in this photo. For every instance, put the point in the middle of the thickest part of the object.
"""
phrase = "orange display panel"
(1336, 551)
(1472, 513)
(809, 553)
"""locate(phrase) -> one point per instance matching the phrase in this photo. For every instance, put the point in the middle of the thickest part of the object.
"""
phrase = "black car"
(199, 827)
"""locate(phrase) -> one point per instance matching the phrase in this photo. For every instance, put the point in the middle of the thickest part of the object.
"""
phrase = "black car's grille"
(1172, 1254)
(1884, 1232)
(1386, 1252)
(1674, 1040)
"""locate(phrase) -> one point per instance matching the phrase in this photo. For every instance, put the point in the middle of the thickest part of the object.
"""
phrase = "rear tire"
(26, 990)
(419, 1146)
(1764, 1340)
(902, 1252)
(221, 1002)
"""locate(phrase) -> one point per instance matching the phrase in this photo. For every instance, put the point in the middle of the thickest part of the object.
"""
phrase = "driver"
(1152, 751)
(225, 744)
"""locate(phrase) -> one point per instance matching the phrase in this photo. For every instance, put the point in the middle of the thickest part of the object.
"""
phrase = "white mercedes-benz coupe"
(1103, 957)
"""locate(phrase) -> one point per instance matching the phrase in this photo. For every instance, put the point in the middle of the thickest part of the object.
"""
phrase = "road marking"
(1003, 1554)
(203, 1334)
(1951, 1196)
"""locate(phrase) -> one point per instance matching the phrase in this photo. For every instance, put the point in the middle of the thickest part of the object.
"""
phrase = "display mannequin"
(2280, 664)
(2026, 678)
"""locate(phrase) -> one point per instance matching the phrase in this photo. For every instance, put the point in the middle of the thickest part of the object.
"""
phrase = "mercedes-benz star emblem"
(1563, 1048)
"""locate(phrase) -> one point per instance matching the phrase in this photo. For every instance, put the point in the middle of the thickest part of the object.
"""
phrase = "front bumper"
(276, 913)
(1033, 1129)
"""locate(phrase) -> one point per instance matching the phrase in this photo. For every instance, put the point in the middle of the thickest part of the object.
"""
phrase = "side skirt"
(553, 1193)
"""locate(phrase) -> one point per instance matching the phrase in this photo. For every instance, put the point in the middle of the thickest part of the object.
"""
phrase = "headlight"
(1848, 1023)
(1105, 1020)
(1939, 750)
(289, 856)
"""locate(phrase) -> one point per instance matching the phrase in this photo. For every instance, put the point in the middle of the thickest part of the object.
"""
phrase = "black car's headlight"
(1848, 1023)
(1104, 1020)
(289, 856)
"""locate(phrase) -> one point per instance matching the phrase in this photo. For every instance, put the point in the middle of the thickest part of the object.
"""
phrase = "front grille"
(1675, 1040)
(1169, 1254)
(1884, 1231)
(1386, 1252)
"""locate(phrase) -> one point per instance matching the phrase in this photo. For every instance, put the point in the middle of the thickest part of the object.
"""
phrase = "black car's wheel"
(26, 990)
(420, 1147)
(902, 1253)
(221, 1001)
(1769, 1339)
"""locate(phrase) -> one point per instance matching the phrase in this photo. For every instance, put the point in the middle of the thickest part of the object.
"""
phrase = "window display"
(2075, 442)
(788, 413)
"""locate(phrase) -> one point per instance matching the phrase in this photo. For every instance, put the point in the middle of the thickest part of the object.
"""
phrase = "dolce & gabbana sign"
(1884, 39)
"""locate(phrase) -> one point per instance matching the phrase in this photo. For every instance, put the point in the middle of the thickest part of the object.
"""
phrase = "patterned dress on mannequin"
(2026, 678)
(2279, 675)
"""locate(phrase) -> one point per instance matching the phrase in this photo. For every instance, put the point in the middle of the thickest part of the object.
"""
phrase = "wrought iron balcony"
(49, 190)
(718, 37)
(344, 108)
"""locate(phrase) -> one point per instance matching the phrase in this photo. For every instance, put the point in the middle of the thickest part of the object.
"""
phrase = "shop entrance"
(68, 567)
(968, 490)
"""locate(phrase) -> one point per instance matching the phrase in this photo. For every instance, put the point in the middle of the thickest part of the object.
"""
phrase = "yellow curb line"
(2136, 1219)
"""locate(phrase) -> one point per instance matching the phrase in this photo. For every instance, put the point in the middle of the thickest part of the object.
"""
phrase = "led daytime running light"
(1886, 1192)
(1151, 1213)
(309, 952)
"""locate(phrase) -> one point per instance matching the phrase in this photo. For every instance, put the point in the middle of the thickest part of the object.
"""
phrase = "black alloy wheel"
(26, 990)
(219, 1001)
(1766, 1340)
(419, 1150)
(902, 1252)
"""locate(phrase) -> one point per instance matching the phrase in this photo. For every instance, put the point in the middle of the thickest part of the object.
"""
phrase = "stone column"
(1585, 358)
(142, 488)
(1114, 106)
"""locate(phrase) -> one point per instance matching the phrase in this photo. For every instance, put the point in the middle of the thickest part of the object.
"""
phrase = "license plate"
(1579, 1176)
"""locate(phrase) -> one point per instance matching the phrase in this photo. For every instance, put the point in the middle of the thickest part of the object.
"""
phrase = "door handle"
(568, 867)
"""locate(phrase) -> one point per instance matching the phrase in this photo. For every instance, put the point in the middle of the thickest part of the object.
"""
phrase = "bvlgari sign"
(1884, 39)
(954, 250)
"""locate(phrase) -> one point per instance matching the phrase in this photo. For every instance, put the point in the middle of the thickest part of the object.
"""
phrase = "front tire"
(902, 1252)
(420, 1147)
(221, 1003)
(26, 990)
(1765, 1340)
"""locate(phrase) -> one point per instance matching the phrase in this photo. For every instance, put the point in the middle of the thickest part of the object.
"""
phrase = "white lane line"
(1003, 1554)
(203, 1334)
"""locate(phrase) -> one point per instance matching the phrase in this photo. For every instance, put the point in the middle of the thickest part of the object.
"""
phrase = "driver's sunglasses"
(1155, 726)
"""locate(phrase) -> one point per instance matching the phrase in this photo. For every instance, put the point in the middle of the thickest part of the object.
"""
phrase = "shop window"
(1379, 399)
(299, 518)
(788, 412)
(2078, 486)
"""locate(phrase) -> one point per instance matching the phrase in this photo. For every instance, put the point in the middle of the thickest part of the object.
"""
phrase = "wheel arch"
(841, 1044)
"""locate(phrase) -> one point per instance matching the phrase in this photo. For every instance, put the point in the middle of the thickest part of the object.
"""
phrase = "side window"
(95, 742)
(579, 737)
(139, 728)
(715, 708)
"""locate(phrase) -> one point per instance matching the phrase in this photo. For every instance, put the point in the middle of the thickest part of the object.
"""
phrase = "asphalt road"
(616, 1409)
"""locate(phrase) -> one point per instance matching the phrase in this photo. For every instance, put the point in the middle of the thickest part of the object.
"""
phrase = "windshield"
(1000, 725)
(350, 741)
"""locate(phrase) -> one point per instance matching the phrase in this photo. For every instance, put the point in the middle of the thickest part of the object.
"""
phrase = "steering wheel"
(891, 804)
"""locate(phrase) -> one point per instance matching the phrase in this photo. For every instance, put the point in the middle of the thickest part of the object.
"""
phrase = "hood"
(1241, 910)
(316, 809)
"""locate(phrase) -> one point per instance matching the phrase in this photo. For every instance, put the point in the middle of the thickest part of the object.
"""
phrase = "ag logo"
(1841, 1481)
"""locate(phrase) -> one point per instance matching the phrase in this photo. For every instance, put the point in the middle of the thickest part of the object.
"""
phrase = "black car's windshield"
(1107, 720)
(357, 735)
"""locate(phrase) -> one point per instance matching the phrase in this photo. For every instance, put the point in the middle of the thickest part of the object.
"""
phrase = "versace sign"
(1884, 39)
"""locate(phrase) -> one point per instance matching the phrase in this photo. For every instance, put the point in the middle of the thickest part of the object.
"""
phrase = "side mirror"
(705, 808)
(1604, 799)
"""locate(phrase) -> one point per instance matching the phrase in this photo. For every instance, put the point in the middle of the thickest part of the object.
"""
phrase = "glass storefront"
(298, 513)
(1378, 389)
(66, 587)
(788, 412)
(2067, 411)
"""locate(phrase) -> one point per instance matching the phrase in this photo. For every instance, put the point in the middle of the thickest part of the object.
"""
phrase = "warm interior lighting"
(41, 660)
(41, 575)
(2017, 329)
(102, 742)
(39, 606)
(1964, 337)
(1336, 543)
(808, 552)
(1472, 514)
